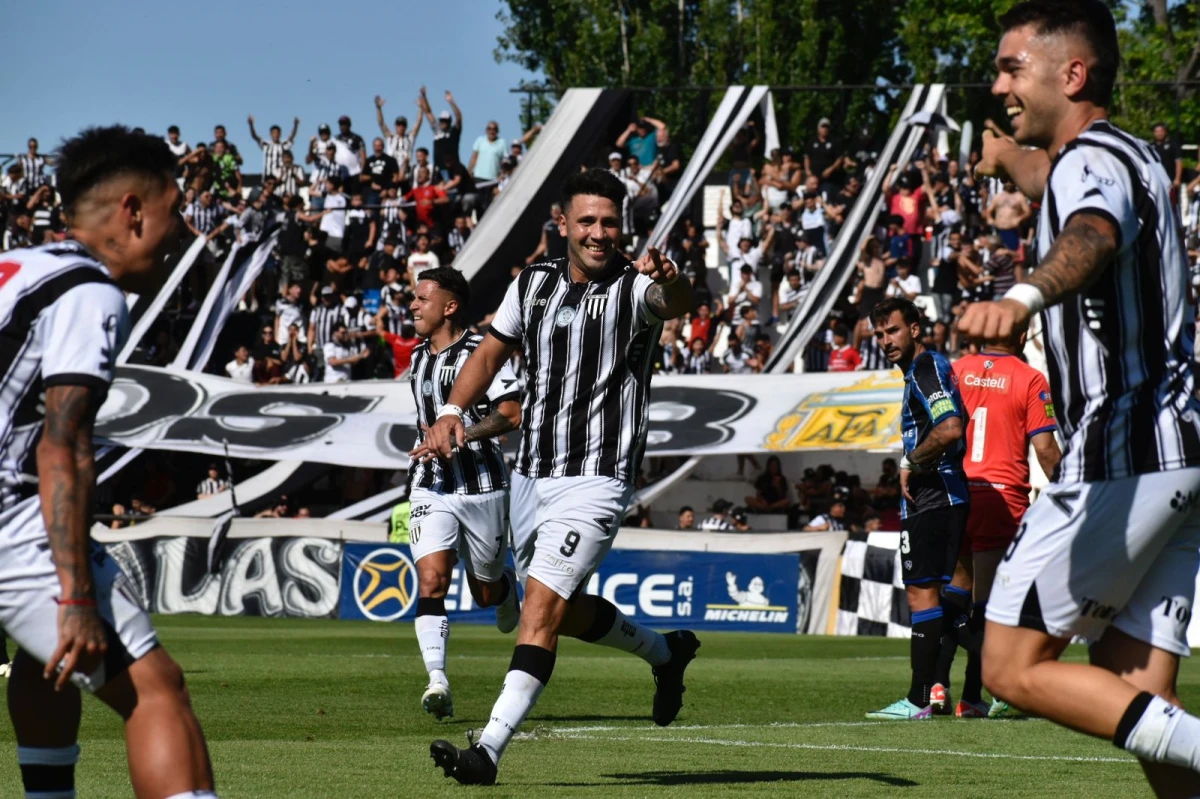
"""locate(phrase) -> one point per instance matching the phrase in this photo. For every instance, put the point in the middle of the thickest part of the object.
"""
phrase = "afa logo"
(385, 584)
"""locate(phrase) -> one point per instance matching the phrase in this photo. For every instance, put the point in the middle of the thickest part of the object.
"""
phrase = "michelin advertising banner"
(372, 424)
(694, 590)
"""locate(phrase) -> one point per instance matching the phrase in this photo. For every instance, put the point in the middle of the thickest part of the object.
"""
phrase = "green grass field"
(332, 709)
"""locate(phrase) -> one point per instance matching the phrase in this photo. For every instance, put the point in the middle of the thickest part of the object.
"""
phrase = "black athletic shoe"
(668, 699)
(472, 766)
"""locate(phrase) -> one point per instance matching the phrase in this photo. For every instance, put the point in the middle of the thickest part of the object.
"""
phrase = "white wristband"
(450, 410)
(908, 465)
(1028, 295)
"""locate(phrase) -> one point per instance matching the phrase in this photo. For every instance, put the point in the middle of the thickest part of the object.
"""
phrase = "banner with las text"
(373, 423)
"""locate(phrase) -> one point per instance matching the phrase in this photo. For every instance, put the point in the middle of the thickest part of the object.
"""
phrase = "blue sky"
(147, 63)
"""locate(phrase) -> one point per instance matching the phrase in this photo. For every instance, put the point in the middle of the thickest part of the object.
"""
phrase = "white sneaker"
(508, 612)
(5, 670)
(437, 700)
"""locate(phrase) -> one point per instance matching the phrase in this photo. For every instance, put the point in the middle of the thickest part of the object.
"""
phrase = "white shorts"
(564, 526)
(473, 525)
(1120, 552)
(29, 589)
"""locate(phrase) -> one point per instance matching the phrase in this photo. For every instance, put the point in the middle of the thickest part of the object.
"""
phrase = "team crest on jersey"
(446, 373)
(596, 305)
(988, 364)
(565, 317)
(427, 388)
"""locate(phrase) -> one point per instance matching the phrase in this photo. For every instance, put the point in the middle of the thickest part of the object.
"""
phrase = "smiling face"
(592, 227)
(1033, 79)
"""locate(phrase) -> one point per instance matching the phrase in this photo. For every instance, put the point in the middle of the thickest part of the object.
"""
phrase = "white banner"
(372, 423)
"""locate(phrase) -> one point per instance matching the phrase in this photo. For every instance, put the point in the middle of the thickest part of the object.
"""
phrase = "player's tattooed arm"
(1080, 253)
(504, 417)
(66, 483)
(940, 438)
(670, 300)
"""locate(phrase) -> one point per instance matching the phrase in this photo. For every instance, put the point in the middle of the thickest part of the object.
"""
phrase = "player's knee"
(434, 583)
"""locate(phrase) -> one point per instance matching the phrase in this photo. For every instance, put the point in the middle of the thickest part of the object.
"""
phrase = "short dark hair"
(596, 182)
(407, 331)
(449, 279)
(173, 129)
(338, 326)
(1089, 19)
(884, 310)
(841, 331)
(276, 127)
(686, 509)
(100, 154)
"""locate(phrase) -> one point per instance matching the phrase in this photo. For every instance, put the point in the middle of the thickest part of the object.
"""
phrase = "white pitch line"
(849, 748)
(775, 725)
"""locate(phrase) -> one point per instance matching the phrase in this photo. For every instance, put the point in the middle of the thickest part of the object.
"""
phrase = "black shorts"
(930, 542)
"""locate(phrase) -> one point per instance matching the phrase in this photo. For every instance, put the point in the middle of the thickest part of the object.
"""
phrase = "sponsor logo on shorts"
(560, 564)
(417, 511)
(1094, 608)
(385, 584)
(1177, 609)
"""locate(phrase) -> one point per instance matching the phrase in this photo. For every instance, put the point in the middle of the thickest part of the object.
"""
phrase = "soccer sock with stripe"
(923, 653)
(611, 627)
(433, 633)
(48, 772)
(1154, 729)
(528, 673)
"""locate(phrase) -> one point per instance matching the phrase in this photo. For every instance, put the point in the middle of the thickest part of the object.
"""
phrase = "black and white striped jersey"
(290, 179)
(588, 350)
(204, 218)
(209, 486)
(34, 167)
(1119, 353)
(478, 467)
(62, 322)
(322, 318)
(273, 155)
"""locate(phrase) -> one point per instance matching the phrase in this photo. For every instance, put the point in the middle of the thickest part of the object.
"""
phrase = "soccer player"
(458, 507)
(62, 600)
(1009, 408)
(587, 326)
(934, 498)
(1110, 549)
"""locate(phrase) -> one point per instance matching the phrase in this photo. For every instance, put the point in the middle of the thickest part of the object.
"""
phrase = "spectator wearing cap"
(352, 150)
(833, 520)
(399, 142)
(340, 355)
(212, 484)
(643, 138)
(242, 365)
(447, 129)
(822, 158)
(274, 148)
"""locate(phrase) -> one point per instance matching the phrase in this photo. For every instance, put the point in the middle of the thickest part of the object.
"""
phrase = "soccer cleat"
(668, 698)
(508, 612)
(5, 670)
(471, 766)
(971, 710)
(437, 700)
(902, 710)
(998, 709)
(939, 699)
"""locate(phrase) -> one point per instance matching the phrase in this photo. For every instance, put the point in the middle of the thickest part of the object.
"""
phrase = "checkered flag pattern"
(872, 600)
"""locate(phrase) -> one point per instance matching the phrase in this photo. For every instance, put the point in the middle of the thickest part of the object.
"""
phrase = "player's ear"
(130, 209)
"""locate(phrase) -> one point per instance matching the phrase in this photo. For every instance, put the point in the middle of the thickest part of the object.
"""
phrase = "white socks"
(194, 795)
(1162, 732)
(433, 632)
(528, 674)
